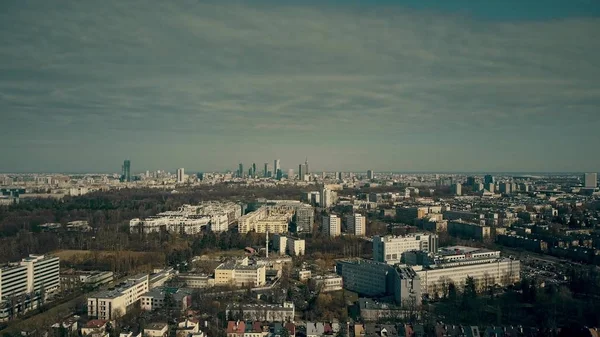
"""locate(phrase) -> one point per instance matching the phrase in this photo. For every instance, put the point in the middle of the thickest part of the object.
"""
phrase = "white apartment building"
(357, 224)
(332, 225)
(389, 249)
(109, 304)
(272, 219)
(328, 198)
(241, 273)
(24, 285)
(288, 245)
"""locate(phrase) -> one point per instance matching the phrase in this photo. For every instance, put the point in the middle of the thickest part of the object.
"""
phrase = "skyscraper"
(253, 169)
(266, 171)
(241, 170)
(301, 172)
(306, 166)
(470, 181)
(457, 189)
(276, 166)
(590, 180)
(370, 174)
(180, 175)
(487, 180)
(126, 171)
(279, 174)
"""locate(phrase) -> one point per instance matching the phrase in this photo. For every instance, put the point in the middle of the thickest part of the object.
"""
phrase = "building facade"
(389, 249)
(357, 224)
(332, 225)
(109, 304)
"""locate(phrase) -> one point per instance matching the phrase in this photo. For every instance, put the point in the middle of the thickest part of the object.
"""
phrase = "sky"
(405, 85)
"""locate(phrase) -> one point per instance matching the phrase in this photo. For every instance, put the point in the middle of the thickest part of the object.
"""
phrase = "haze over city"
(352, 85)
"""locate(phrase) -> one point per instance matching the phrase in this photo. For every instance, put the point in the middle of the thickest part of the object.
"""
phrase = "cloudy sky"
(462, 85)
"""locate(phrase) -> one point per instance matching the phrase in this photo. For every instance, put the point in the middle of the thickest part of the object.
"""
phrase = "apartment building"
(111, 303)
(270, 219)
(469, 230)
(25, 285)
(365, 277)
(284, 312)
(288, 245)
(389, 249)
(332, 225)
(304, 218)
(243, 273)
(357, 224)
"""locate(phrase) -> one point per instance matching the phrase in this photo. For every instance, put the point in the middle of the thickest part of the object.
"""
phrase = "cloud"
(269, 72)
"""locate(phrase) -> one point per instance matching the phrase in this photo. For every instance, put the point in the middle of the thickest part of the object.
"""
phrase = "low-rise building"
(156, 330)
(160, 297)
(327, 283)
(196, 281)
(288, 245)
(109, 304)
(75, 279)
(242, 273)
(469, 230)
(262, 312)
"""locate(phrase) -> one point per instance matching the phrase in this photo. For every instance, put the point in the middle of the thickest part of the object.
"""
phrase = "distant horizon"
(409, 85)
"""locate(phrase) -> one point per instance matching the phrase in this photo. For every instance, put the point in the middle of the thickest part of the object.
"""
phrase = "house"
(236, 328)
(188, 327)
(156, 330)
(95, 327)
(66, 327)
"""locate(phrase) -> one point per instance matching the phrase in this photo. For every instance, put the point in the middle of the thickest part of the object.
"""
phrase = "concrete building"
(276, 166)
(469, 230)
(243, 273)
(272, 219)
(407, 287)
(327, 283)
(288, 245)
(156, 298)
(76, 279)
(284, 312)
(357, 224)
(457, 189)
(332, 226)
(389, 248)
(328, 198)
(365, 277)
(24, 286)
(109, 304)
(180, 175)
(196, 281)
(506, 188)
(304, 218)
(590, 180)
(156, 330)
(370, 174)
(185, 220)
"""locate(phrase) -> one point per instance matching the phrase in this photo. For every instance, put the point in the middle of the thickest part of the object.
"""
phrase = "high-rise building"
(266, 171)
(590, 180)
(126, 176)
(306, 166)
(276, 166)
(241, 170)
(305, 218)
(253, 169)
(370, 174)
(457, 189)
(339, 175)
(290, 174)
(301, 172)
(487, 180)
(470, 181)
(357, 224)
(327, 198)
(24, 286)
(505, 188)
(279, 174)
(180, 175)
(332, 225)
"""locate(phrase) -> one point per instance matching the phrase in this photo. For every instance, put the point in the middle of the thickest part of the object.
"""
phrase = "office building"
(455, 264)
(590, 180)
(487, 180)
(370, 174)
(327, 283)
(240, 172)
(242, 273)
(276, 166)
(266, 171)
(505, 188)
(24, 286)
(301, 172)
(111, 304)
(365, 277)
(470, 181)
(332, 225)
(389, 249)
(357, 224)
(126, 168)
(304, 218)
(254, 169)
(180, 175)
(457, 189)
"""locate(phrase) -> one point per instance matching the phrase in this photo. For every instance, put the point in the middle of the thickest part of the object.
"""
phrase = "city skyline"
(407, 86)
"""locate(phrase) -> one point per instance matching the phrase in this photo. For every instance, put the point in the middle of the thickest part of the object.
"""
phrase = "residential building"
(288, 245)
(156, 330)
(590, 180)
(469, 230)
(370, 174)
(284, 312)
(457, 189)
(357, 224)
(180, 175)
(332, 225)
(243, 273)
(25, 285)
(270, 219)
(304, 218)
(407, 287)
(505, 188)
(389, 248)
(328, 198)
(157, 298)
(109, 304)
